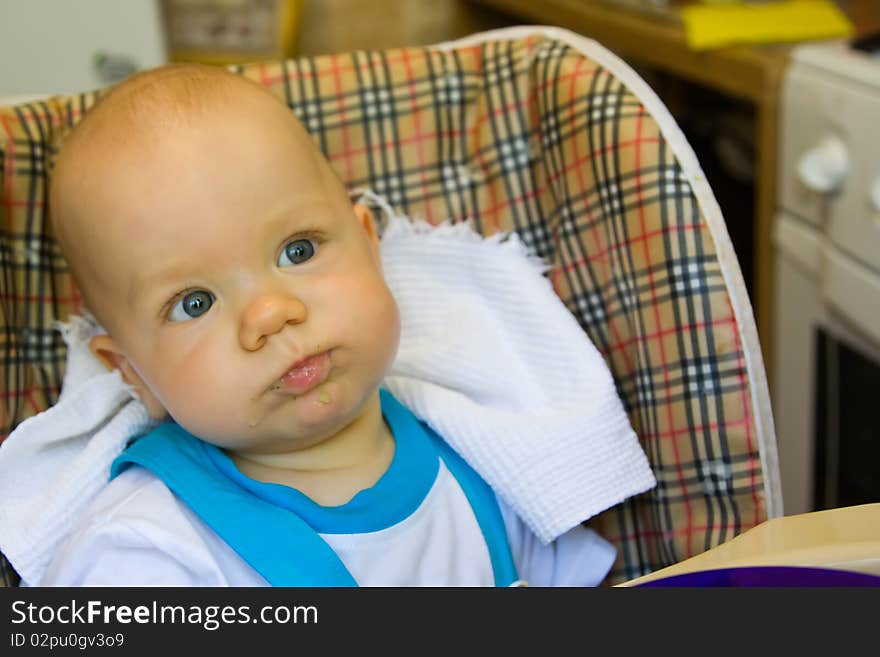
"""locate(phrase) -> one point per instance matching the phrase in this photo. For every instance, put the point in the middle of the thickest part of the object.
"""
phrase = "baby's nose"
(267, 315)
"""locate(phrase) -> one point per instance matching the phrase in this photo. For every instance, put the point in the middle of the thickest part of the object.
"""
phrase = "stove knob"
(824, 167)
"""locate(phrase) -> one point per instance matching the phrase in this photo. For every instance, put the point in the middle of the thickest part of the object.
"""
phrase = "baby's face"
(244, 288)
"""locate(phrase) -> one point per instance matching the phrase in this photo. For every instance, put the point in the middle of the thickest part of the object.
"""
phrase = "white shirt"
(138, 533)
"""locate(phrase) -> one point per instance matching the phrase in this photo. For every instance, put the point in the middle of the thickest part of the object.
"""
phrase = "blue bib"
(275, 528)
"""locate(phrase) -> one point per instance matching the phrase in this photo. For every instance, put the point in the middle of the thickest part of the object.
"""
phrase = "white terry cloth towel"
(489, 357)
(55, 462)
(495, 363)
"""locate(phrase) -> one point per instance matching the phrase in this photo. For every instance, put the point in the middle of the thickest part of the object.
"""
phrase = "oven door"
(827, 371)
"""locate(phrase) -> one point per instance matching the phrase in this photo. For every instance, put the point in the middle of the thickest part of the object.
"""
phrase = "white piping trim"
(730, 269)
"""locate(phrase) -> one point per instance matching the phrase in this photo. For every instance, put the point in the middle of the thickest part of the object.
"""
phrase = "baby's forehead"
(149, 118)
(145, 115)
(152, 103)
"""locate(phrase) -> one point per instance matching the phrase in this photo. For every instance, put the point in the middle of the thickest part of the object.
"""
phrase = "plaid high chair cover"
(534, 130)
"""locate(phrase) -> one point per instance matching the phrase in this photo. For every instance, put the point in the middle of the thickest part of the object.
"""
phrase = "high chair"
(535, 130)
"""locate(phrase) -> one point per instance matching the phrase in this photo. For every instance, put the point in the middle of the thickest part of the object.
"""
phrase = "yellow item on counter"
(715, 25)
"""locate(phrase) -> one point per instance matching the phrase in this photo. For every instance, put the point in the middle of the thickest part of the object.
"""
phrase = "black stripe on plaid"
(714, 478)
(688, 380)
(597, 303)
(35, 342)
(380, 125)
(509, 132)
(570, 248)
(606, 167)
(627, 193)
(454, 90)
(33, 345)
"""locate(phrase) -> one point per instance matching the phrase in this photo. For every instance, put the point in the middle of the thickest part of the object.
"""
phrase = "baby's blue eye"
(296, 252)
(192, 305)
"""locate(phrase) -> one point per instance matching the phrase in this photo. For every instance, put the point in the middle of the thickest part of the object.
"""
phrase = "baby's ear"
(365, 218)
(111, 356)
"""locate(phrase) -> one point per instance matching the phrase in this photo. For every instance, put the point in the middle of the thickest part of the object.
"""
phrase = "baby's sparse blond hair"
(156, 99)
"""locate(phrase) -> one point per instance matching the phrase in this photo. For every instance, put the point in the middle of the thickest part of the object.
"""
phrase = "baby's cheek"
(202, 392)
(384, 321)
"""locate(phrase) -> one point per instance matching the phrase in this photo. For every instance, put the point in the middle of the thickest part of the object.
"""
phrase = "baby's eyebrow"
(139, 285)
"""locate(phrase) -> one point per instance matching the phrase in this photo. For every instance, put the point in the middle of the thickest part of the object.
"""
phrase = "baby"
(244, 302)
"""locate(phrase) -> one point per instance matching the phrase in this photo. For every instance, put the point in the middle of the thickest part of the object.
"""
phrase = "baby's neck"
(332, 472)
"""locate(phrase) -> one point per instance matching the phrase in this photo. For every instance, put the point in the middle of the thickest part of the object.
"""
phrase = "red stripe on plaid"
(534, 117)
(405, 141)
(559, 80)
(35, 406)
(25, 204)
(475, 52)
(261, 70)
(11, 394)
(531, 102)
(336, 68)
(658, 322)
(514, 200)
(420, 136)
(747, 412)
(579, 162)
(615, 338)
(603, 252)
(504, 110)
(495, 208)
(665, 332)
(696, 428)
(38, 117)
(346, 142)
(582, 186)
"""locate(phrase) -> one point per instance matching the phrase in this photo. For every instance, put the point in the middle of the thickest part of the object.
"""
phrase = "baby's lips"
(304, 375)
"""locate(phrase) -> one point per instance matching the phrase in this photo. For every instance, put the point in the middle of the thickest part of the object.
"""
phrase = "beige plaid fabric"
(524, 134)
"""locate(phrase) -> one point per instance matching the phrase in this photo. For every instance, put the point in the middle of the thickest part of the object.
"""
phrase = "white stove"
(827, 267)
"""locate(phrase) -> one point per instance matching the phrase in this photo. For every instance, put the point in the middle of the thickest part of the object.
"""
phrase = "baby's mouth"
(304, 375)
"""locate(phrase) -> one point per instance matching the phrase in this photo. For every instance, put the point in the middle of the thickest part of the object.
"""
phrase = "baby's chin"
(292, 422)
(326, 410)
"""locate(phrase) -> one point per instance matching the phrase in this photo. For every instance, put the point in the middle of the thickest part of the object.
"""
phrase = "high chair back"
(534, 130)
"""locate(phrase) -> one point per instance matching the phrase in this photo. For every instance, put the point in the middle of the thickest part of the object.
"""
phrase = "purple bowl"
(767, 576)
